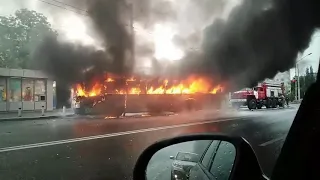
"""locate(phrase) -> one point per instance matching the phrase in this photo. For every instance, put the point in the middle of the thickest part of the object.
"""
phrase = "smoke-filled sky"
(168, 30)
(164, 29)
(178, 20)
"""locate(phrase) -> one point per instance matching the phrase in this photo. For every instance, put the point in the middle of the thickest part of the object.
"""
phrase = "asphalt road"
(97, 148)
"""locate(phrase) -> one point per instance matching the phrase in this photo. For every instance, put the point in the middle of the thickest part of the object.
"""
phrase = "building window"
(14, 90)
(40, 90)
(3, 90)
(27, 89)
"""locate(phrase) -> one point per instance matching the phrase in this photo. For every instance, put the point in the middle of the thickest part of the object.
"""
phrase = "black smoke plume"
(112, 26)
(70, 63)
(112, 19)
(258, 39)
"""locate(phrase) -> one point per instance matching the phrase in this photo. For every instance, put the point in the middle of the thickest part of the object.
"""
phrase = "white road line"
(272, 141)
(66, 141)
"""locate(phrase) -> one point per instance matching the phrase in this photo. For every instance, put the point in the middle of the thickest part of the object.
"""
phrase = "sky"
(160, 37)
(309, 60)
(74, 28)
(70, 25)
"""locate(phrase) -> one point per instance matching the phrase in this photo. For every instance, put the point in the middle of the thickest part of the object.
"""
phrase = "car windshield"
(190, 157)
(87, 85)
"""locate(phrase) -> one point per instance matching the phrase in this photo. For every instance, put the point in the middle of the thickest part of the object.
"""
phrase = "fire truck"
(270, 94)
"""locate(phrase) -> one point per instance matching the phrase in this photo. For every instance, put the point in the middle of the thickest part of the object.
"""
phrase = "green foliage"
(305, 82)
(310, 77)
(20, 34)
(303, 86)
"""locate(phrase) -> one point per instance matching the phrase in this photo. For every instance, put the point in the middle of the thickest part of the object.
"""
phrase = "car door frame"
(202, 167)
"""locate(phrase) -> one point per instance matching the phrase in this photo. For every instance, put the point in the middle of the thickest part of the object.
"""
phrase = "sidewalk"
(296, 101)
(34, 115)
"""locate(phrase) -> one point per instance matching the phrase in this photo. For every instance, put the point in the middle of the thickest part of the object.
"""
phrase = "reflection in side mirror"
(199, 156)
(199, 159)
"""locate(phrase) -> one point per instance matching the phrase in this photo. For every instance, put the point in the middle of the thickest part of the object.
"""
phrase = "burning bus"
(114, 95)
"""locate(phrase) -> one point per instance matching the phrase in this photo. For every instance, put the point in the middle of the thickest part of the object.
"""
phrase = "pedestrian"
(287, 101)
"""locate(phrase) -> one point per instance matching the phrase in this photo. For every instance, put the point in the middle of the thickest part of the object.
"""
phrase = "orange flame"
(132, 79)
(109, 80)
(80, 91)
(134, 91)
(95, 90)
(189, 86)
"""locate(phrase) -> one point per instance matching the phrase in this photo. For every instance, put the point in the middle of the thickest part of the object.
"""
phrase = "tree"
(309, 78)
(304, 81)
(302, 84)
(20, 34)
(312, 75)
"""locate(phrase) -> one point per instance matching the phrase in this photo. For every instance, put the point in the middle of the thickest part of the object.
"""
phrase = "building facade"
(29, 90)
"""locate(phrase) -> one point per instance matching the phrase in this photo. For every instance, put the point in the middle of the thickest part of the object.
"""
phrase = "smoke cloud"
(241, 45)
(70, 63)
(111, 21)
(114, 28)
(257, 40)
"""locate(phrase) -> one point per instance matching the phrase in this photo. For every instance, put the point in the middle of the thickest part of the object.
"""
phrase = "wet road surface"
(97, 148)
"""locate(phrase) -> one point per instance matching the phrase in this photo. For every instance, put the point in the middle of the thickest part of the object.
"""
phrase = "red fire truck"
(270, 94)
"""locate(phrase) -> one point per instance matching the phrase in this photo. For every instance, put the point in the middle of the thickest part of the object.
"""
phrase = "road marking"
(66, 141)
(272, 141)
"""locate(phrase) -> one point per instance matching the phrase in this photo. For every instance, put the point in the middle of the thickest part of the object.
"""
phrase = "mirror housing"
(171, 157)
(246, 165)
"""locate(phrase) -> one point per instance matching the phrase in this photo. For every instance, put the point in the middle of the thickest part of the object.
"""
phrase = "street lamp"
(298, 76)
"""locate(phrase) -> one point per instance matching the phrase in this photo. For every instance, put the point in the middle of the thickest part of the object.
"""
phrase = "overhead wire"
(64, 8)
(74, 7)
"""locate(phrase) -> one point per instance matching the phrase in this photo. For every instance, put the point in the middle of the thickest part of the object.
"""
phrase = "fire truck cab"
(268, 93)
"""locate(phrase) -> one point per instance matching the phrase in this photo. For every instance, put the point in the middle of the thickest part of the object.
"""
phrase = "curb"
(33, 118)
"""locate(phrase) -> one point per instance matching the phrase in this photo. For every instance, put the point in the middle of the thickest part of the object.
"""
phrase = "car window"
(223, 161)
(209, 153)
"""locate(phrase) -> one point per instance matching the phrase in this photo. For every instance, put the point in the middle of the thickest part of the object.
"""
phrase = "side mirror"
(199, 156)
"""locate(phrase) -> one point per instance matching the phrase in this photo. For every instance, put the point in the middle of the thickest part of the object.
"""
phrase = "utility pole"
(296, 83)
(132, 31)
(298, 76)
(129, 5)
